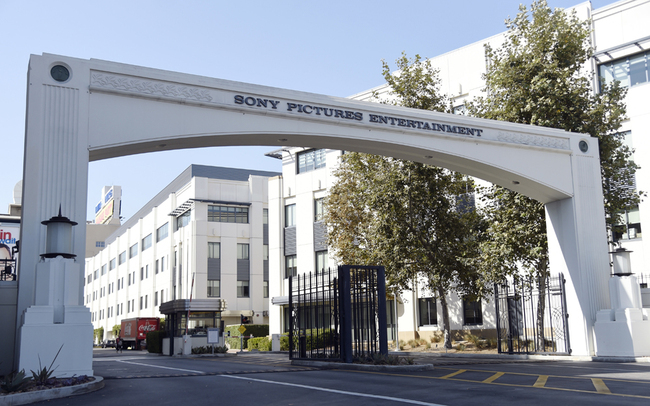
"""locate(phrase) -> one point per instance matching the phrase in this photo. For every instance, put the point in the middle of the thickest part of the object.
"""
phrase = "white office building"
(203, 237)
(621, 39)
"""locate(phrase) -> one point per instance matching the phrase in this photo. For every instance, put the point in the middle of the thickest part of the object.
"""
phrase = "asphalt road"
(137, 378)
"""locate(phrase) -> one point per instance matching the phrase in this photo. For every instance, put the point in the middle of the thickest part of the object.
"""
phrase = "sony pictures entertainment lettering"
(354, 115)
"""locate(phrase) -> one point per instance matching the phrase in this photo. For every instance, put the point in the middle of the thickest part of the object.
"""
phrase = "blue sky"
(331, 47)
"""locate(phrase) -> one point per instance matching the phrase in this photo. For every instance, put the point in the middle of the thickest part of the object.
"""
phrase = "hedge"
(154, 341)
(256, 330)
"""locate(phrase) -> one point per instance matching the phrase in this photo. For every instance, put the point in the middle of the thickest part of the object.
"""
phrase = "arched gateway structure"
(84, 110)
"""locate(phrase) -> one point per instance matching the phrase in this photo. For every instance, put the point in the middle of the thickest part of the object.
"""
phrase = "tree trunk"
(445, 317)
(542, 278)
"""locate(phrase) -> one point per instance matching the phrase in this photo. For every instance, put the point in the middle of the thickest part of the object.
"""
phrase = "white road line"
(363, 395)
(158, 366)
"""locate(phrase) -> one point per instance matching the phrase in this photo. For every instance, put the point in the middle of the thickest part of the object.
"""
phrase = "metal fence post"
(346, 314)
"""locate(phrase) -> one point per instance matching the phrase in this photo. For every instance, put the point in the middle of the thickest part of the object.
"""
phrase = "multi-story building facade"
(621, 39)
(203, 237)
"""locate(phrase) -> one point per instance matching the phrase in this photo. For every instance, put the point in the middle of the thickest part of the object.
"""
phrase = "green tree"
(407, 216)
(537, 77)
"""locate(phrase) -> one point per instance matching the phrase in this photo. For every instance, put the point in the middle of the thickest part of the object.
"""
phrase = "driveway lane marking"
(541, 381)
(159, 366)
(494, 377)
(341, 392)
(460, 371)
(600, 386)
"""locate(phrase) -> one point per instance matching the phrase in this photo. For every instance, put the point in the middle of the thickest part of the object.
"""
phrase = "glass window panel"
(638, 71)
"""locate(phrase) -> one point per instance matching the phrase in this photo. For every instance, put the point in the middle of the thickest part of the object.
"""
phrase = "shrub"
(259, 343)
(256, 330)
(413, 343)
(476, 340)
(460, 347)
(154, 341)
(380, 359)
(436, 338)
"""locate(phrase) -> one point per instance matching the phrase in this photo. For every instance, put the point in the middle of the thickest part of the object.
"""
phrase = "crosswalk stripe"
(460, 371)
(600, 385)
(494, 377)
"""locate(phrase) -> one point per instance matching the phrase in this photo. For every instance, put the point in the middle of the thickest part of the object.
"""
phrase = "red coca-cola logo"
(147, 327)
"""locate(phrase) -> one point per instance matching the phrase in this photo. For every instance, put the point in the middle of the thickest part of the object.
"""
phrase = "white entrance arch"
(84, 110)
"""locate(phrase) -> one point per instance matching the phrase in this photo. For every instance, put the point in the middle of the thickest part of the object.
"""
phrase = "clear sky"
(332, 47)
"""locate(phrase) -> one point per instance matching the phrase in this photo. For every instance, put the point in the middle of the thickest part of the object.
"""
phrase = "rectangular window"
(162, 232)
(291, 266)
(473, 312)
(111, 265)
(242, 251)
(162, 264)
(157, 266)
(133, 251)
(100, 244)
(265, 289)
(242, 289)
(311, 160)
(141, 302)
(265, 252)
(321, 261)
(146, 242)
(318, 209)
(628, 225)
(142, 273)
(183, 219)
(161, 296)
(96, 275)
(146, 301)
(146, 271)
(227, 214)
(214, 250)
(129, 280)
(265, 216)
(629, 71)
(104, 268)
(214, 288)
(155, 298)
(290, 215)
(122, 258)
(428, 313)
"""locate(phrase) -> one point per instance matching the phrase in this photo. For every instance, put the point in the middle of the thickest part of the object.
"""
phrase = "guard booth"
(193, 319)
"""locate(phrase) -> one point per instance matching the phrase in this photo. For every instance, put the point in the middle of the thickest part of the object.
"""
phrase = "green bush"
(259, 343)
(316, 338)
(154, 341)
(256, 330)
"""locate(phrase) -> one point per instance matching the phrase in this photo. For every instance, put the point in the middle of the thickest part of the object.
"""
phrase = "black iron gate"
(532, 316)
(338, 315)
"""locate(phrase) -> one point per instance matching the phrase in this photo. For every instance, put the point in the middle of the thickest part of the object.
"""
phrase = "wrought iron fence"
(532, 316)
(338, 315)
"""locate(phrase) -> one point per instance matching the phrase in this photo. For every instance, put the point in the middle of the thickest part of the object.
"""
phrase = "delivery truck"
(133, 332)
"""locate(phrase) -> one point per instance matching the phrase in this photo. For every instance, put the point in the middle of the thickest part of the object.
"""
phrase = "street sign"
(242, 329)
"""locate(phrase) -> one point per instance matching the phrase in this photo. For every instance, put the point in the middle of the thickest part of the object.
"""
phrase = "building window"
(146, 242)
(111, 265)
(183, 219)
(629, 71)
(628, 225)
(242, 289)
(265, 289)
(155, 298)
(100, 244)
(214, 288)
(214, 250)
(290, 215)
(473, 312)
(428, 312)
(122, 258)
(318, 209)
(96, 275)
(157, 266)
(104, 267)
(142, 273)
(265, 252)
(162, 232)
(227, 214)
(265, 216)
(133, 251)
(290, 266)
(162, 264)
(321, 261)
(242, 251)
(141, 302)
(311, 160)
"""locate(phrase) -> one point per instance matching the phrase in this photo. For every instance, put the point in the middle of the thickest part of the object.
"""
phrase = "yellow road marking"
(460, 371)
(494, 377)
(600, 386)
(541, 381)
(452, 378)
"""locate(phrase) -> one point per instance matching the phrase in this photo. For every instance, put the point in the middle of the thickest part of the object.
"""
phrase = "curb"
(363, 367)
(54, 393)
(527, 357)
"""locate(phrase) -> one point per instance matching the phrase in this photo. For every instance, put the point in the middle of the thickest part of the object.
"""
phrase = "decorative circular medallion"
(584, 147)
(60, 73)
